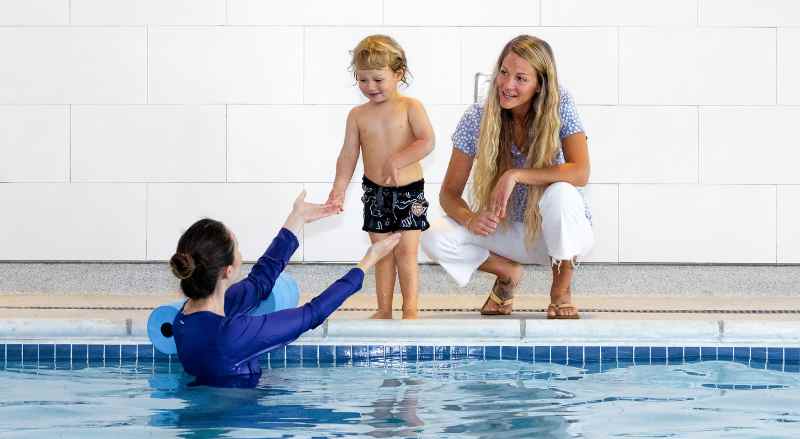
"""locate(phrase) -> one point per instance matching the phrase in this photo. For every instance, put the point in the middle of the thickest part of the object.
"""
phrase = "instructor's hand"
(378, 250)
(310, 212)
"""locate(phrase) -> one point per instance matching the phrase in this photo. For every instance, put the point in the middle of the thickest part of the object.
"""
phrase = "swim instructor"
(217, 341)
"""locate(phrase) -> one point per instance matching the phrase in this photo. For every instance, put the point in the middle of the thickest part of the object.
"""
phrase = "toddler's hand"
(336, 199)
(391, 173)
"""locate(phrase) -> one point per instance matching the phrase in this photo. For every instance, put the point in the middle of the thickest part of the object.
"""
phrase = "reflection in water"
(447, 399)
(209, 412)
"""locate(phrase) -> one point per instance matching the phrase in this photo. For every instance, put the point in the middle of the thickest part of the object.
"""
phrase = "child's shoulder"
(410, 102)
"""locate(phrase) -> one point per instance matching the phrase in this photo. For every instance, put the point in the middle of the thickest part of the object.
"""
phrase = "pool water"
(438, 399)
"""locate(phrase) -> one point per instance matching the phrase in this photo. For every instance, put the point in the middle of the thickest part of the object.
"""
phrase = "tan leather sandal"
(503, 295)
(556, 307)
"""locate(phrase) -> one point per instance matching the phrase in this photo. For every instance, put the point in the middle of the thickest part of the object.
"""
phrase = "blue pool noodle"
(285, 294)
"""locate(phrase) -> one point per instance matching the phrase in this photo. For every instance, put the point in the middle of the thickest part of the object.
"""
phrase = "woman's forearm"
(455, 206)
(294, 223)
(571, 173)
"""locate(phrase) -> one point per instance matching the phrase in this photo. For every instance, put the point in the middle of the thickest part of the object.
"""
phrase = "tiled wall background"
(122, 121)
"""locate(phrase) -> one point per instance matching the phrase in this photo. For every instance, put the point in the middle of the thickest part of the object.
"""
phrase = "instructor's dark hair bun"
(182, 265)
(204, 250)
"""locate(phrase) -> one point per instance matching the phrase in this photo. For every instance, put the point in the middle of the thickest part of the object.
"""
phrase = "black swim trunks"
(389, 209)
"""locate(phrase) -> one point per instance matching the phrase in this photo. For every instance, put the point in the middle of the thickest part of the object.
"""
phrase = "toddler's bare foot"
(382, 315)
(410, 314)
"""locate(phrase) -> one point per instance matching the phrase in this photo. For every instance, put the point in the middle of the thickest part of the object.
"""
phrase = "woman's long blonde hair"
(542, 127)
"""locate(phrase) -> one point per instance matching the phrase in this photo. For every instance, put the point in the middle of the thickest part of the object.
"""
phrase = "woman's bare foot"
(381, 315)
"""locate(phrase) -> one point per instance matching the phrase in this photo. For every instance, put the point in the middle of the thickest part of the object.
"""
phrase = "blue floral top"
(465, 139)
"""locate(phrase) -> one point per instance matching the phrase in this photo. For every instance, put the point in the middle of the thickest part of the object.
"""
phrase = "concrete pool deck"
(666, 320)
(618, 303)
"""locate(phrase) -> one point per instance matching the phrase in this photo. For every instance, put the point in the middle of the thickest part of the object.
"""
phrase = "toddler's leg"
(405, 256)
(385, 275)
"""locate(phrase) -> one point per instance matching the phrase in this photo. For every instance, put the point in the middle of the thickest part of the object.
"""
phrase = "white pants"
(565, 234)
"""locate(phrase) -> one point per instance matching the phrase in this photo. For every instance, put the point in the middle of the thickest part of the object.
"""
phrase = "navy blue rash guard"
(223, 351)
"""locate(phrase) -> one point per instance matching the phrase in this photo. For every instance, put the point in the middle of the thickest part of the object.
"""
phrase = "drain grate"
(454, 310)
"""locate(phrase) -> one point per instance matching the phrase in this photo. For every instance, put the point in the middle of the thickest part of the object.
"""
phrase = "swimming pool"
(75, 390)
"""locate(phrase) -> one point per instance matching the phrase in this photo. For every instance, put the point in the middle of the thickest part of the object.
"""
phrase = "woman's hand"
(303, 212)
(482, 223)
(378, 250)
(502, 192)
(310, 212)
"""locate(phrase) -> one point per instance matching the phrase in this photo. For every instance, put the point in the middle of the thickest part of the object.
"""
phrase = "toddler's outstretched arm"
(346, 163)
(418, 149)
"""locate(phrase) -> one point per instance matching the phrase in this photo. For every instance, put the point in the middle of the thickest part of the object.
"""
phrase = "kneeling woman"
(217, 341)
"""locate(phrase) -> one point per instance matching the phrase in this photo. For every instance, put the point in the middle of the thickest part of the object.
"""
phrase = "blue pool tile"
(593, 367)
(325, 354)
(641, 354)
(725, 353)
(394, 353)
(541, 354)
(525, 353)
(459, 353)
(425, 353)
(558, 354)
(113, 354)
(508, 352)
(675, 354)
(442, 353)
(741, 355)
(758, 354)
(294, 353)
(13, 353)
(310, 355)
(63, 353)
(591, 354)
(47, 353)
(758, 364)
(608, 365)
(80, 356)
(2, 354)
(658, 352)
(575, 355)
(30, 354)
(625, 353)
(277, 357)
(771, 365)
(145, 353)
(608, 354)
(129, 353)
(344, 354)
(691, 354)
(793, 368)
(376, 353)
(708, 353)
(775, 355)
(410, 353)
(360, 353)
(492, 352)
(476, 352)
(96, 353)
(792, 355)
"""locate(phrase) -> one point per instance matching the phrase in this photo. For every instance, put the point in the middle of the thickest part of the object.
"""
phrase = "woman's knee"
(433, 238)
(561, 196)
